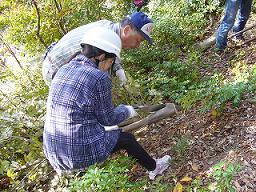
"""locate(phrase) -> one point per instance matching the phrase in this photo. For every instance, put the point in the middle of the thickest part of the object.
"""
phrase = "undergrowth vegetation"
(166, 71)
(215, 91)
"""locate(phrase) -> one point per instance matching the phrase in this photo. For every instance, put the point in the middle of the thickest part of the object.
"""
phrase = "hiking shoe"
(238, 38)
(161, 165)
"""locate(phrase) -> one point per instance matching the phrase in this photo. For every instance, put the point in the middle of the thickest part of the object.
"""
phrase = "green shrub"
(215, 91)
(181, 147)
(223, 173)
(111, 176)
(22, 107)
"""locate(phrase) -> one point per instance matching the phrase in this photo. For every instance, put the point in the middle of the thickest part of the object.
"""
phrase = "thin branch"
(27, 165)
(2, 62)
(22, 139)
(58, 6)
(61, 22)
(248, 41)
(38, 24)
(6, 96)
(10, 51)
(17, 186)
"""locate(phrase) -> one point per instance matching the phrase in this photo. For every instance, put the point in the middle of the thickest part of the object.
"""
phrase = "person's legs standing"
(231, 7)
(242, 15)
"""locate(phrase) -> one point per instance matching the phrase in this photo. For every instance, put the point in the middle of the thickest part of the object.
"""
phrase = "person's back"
(79, 104)
(72, 106)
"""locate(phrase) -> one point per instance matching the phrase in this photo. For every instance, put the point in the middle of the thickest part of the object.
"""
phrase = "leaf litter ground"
(209, 139)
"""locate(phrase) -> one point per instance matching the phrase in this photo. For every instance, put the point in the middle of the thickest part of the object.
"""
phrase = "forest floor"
(197, 141)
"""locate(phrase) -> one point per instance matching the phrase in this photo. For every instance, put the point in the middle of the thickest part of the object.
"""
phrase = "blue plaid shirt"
(79, 103)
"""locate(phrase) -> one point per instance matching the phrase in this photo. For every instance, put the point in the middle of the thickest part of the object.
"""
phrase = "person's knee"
(128, 139)
(129, 136)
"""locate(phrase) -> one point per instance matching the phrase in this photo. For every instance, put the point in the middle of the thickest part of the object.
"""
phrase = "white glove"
(110, 128)
(121, 75)
(132, 112)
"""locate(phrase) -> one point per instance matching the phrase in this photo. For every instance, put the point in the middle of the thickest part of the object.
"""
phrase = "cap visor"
(146, 37)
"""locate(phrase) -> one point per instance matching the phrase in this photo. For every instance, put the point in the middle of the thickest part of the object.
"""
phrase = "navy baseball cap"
(142, 23)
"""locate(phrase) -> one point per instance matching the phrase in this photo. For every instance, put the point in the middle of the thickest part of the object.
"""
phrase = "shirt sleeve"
(105, 111)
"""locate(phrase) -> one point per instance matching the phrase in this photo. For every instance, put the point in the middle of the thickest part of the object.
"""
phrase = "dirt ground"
(230, 136)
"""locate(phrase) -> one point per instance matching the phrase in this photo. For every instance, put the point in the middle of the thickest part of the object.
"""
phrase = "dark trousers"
(128, 142)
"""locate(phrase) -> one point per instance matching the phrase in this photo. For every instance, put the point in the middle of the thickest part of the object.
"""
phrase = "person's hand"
(132, 112)
(110, 128)
(122, 77)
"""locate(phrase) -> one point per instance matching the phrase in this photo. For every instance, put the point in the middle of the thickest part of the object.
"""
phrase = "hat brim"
(146, 37)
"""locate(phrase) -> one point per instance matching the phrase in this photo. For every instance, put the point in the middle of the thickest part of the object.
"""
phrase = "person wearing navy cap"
(140, 23)
(133, 29)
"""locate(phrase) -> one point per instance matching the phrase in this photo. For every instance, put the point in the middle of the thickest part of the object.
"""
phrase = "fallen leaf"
(186, 179)
(237, 185)
(214, 113)
(195, 167)
(177, 188)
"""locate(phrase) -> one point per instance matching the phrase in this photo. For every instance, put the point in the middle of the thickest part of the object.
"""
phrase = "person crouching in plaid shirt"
(80, 111)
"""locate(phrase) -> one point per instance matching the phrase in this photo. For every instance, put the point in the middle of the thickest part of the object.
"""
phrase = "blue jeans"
(238, 10)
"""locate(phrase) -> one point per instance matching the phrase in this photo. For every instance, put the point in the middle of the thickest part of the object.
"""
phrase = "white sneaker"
(161, 165)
